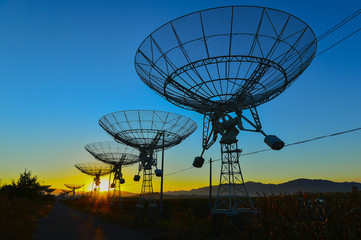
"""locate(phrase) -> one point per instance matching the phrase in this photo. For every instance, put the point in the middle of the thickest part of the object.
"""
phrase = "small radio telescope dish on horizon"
(43, 188)
(65, 192)
(117, 155)
(49, 190)
(147, 131)
(96, 170)
(220, 62)
(73, 187)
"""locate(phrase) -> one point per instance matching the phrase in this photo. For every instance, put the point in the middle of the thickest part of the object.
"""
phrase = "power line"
(338, 25)
(332, 29)
(338, 42)
(268, 149)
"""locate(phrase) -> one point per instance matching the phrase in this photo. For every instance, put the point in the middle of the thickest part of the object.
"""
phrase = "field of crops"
(297, 216)
(19, 216)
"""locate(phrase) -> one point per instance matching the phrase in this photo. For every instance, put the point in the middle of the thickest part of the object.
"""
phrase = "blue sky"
(65, 64)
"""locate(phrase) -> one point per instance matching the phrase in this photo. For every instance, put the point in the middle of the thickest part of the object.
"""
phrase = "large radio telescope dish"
(113, 153)
(219, 62)
(226, 59)
(140, 128)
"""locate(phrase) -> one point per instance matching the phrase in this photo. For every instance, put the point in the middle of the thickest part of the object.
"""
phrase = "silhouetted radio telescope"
(220, 62)
(149, 132)
(43, 188)
(49, 190)
(94, 169)
(116, 154)
(65, 192)
(73, 187)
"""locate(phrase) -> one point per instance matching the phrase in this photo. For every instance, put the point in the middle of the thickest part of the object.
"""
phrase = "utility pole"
(161, 182)
(210, 183)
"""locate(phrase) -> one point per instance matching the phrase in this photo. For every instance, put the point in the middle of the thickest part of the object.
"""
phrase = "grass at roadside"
(19, 216)
(297, 216)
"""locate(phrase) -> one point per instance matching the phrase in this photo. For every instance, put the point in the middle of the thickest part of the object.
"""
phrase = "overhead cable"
(268, 149)
(338, 42)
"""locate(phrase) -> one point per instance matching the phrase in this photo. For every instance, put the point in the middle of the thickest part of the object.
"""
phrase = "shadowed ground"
(67, 223)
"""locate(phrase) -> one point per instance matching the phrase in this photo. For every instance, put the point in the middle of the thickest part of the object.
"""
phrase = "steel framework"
(94, 169)
(116, 154)
(220, 62)
(148, 131)
(232, 195)
(73, 187)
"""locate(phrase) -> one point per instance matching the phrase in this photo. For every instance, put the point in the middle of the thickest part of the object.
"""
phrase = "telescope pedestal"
(146, 195)
(232, 196)
(117, 192)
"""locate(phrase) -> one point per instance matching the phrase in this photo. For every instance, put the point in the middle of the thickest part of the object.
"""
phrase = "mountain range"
(294, 186)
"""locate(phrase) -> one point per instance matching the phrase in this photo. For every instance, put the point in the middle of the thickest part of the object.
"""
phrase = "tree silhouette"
(26, 186)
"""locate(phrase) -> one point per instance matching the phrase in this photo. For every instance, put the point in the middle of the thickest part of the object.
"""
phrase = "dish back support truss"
(73, 187)
(225, 59)
(96, 170)
(220, 62)
(148, 131)
(116, 154)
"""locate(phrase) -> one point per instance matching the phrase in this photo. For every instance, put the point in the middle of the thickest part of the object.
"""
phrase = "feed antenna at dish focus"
(222, 62)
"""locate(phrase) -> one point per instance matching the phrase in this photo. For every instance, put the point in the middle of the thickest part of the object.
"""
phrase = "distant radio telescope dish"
(220, 62)
(96, 170)
(73, 187)
(117, 155)
(148, 132)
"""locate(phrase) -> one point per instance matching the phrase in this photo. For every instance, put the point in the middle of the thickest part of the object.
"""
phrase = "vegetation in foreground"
(21, 205)
(297, 216)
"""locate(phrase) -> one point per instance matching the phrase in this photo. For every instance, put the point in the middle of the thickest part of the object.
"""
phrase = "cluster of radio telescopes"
(222, 63)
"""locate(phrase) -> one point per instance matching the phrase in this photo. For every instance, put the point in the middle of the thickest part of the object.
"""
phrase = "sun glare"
(104, 185)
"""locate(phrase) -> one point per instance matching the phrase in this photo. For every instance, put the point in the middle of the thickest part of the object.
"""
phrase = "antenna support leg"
(232, 196)
(146, 195)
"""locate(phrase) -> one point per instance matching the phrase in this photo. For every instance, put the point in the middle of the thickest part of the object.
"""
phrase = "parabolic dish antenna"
(116, 154)
(95, 169)
(140, 128)
(73, 187)
(222, 61)
(49, 190)
(148, 131)
(65, 192)
(225, 59)
(43, 188)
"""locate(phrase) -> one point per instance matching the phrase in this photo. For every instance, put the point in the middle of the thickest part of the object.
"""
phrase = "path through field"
(65, 223)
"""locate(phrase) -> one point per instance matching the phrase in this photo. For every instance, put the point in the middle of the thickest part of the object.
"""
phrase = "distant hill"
(303, 185)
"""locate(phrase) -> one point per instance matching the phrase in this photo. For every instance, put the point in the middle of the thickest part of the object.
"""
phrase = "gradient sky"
(65, 64)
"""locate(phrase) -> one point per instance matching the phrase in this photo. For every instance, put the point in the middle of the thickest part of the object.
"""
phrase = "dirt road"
(65, 223)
